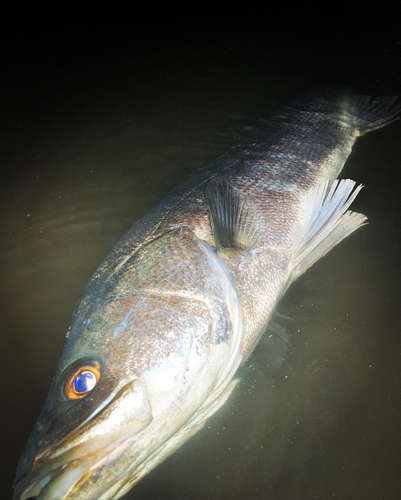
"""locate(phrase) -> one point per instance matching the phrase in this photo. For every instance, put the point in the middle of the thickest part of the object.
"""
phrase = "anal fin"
(328, 221)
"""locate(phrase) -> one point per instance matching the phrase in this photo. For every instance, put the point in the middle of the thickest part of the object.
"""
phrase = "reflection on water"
(328, 425)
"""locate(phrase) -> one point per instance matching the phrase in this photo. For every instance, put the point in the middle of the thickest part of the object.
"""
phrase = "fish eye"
(82, 380)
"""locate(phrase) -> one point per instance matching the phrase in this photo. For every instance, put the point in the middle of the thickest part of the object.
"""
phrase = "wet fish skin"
(169, 319)
(188, 323)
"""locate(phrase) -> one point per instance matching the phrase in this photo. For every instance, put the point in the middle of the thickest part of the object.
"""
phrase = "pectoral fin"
(234, 223)
(328, 221)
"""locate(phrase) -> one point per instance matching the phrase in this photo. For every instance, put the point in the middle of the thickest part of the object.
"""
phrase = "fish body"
(183, 298)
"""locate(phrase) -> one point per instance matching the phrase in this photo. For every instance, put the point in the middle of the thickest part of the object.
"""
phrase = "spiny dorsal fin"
(233, 222)
(328, 221)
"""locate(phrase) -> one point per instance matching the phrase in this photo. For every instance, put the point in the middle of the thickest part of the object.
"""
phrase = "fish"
(185, 295)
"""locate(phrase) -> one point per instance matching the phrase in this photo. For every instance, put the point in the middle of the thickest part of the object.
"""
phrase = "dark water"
(85, 156)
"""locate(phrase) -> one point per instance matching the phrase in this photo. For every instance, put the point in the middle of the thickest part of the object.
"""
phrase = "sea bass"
(183, 298)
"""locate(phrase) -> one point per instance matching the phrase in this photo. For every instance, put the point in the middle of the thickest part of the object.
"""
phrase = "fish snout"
(54, 472)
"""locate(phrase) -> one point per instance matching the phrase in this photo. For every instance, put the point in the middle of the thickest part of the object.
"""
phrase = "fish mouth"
(56, 478)
(73, 466)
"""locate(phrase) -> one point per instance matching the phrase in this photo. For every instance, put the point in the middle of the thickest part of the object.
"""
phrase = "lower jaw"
(59, 482)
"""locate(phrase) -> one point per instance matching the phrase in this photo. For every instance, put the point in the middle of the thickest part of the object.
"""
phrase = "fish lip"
(53, 459)
(28, 485)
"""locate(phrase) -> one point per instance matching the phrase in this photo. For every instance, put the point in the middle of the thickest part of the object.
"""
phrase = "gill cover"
(166, 331)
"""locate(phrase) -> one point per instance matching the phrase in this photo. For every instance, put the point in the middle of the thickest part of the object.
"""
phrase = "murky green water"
(328, 425)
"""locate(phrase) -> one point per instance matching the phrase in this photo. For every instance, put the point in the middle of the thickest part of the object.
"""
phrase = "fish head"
(154, 340)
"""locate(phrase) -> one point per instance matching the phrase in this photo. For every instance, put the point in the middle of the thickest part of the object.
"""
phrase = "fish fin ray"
(328, 222)
(233, 222)
(373, 113)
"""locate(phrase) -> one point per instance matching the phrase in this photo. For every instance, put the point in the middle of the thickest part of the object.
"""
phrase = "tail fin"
(371, 114)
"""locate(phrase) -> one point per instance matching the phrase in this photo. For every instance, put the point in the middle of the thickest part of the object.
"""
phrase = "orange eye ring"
(82, 381)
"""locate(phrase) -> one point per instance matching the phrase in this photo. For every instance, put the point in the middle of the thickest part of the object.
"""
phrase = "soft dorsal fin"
(328, 221)
(371, 114)
(234, 223)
